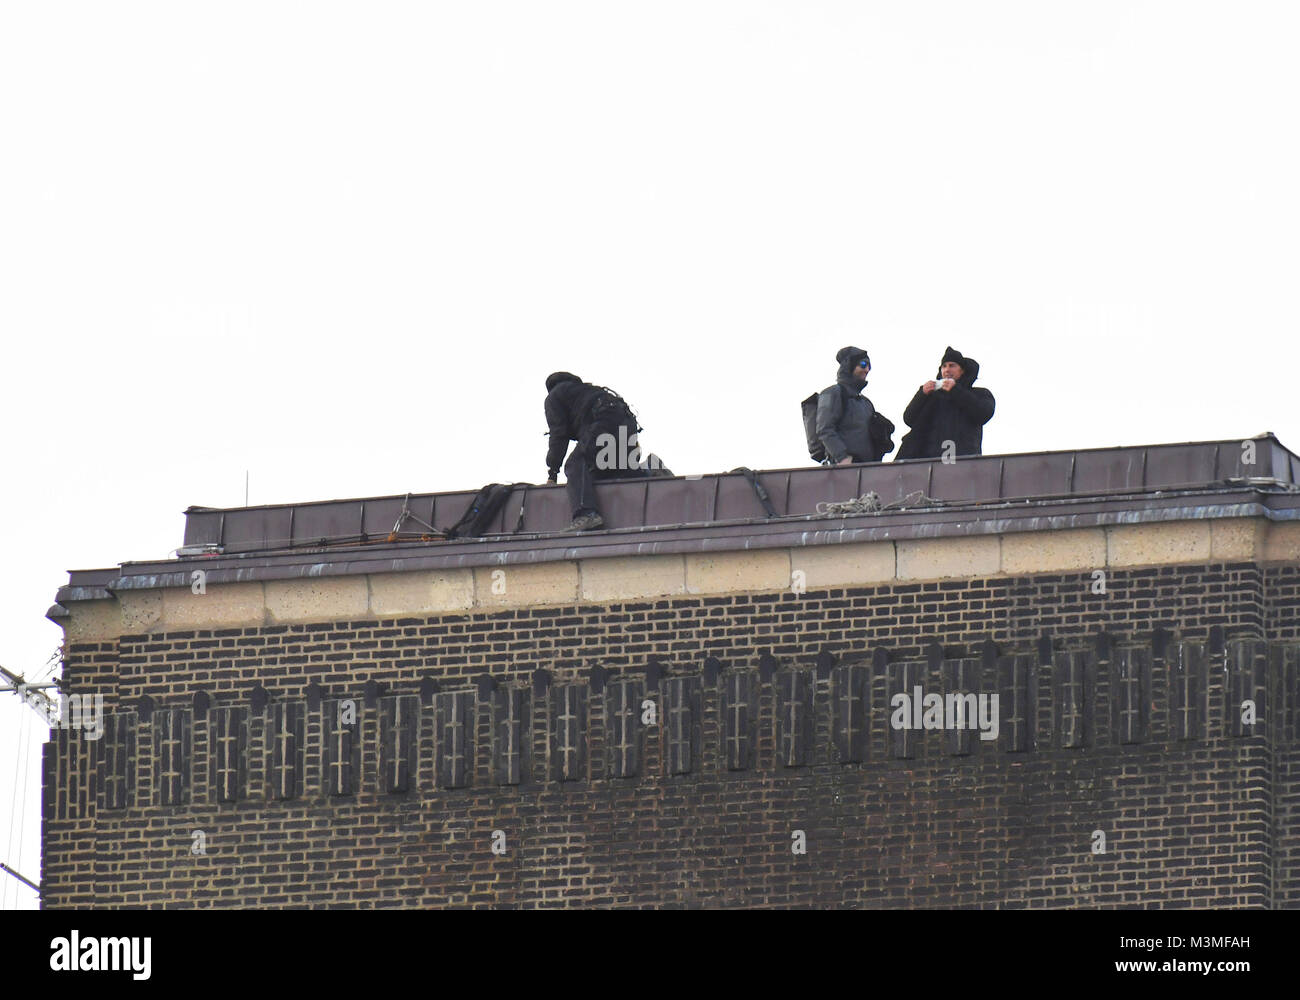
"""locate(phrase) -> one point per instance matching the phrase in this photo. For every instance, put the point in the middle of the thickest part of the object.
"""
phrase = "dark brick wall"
(1129, 724)
(1282, 585)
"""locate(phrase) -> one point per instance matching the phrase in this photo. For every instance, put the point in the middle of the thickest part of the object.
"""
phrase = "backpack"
(882, 435)
(485, 506)
(610, 406)
(816, 450)
(881, 431)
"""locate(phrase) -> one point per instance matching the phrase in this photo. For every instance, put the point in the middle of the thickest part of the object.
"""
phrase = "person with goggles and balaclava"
(849, 429)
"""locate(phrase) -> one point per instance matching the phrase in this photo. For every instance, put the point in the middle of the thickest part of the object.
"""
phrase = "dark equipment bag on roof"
(816, 450)
(483, 509)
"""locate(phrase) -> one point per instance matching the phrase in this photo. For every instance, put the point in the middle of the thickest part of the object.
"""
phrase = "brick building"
(315, 705)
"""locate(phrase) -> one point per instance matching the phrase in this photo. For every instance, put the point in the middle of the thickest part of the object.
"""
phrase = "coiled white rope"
(869, 503)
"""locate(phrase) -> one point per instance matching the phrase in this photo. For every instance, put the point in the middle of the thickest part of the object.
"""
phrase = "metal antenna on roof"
(25, 881)
(32, 695)
(406, 513)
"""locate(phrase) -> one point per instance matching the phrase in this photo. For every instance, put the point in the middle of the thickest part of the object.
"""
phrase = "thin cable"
(22, 808)
(13, 804)
(52, 664)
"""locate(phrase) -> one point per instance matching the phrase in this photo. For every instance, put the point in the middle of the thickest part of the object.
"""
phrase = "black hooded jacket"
(569, 405)
(957, 415)
(847, 423)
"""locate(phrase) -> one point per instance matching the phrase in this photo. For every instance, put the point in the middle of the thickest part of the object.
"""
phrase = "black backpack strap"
(482, 508)
(610, 400)
(759, 490)
(519, 521)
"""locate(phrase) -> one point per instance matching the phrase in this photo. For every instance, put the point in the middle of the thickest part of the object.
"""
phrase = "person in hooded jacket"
(585, 413)
(848, 426)
(947, 408)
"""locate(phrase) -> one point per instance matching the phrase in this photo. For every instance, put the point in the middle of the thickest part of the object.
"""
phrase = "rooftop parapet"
(1235, 500)
(728, 498)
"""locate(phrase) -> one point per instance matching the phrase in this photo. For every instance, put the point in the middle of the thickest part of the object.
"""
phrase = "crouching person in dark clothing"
(848, 426)
(947, 415)
(606, 431)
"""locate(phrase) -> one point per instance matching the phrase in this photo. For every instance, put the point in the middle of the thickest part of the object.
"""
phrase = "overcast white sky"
(341, 246)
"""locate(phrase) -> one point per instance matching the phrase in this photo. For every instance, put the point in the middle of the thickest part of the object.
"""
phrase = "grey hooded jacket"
(844, 415)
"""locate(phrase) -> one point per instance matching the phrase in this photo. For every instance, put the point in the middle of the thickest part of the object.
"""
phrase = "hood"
(848, 357)
(555, 378)
(969, 366)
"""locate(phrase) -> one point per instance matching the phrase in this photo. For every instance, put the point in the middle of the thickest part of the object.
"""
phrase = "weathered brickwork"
(1282, 584)
(672, 752)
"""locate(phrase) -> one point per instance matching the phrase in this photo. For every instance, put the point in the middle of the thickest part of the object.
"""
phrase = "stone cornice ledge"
(778, 533)
(372, 588)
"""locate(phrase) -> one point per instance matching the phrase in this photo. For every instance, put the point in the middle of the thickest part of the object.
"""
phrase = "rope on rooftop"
(870, 503)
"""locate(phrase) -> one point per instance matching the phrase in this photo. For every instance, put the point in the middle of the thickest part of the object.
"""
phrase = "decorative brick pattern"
(1017, 683)
(513, 736)
(116, 763)
(682, 719)
(1132, 691)
(1119, 712)
(623, 728)
(739, 712)
(852, 705)
(569, 732)
(796, 718)
(229, 758)
(171, 733)
(398, 718)
(455, 729)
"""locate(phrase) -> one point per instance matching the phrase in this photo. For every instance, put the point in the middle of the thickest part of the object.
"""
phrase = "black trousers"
(582, 471)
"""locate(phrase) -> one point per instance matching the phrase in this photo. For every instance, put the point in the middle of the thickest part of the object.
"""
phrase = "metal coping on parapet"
(727, 498)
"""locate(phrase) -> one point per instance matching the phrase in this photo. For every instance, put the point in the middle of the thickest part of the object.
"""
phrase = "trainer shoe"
(587, 522)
